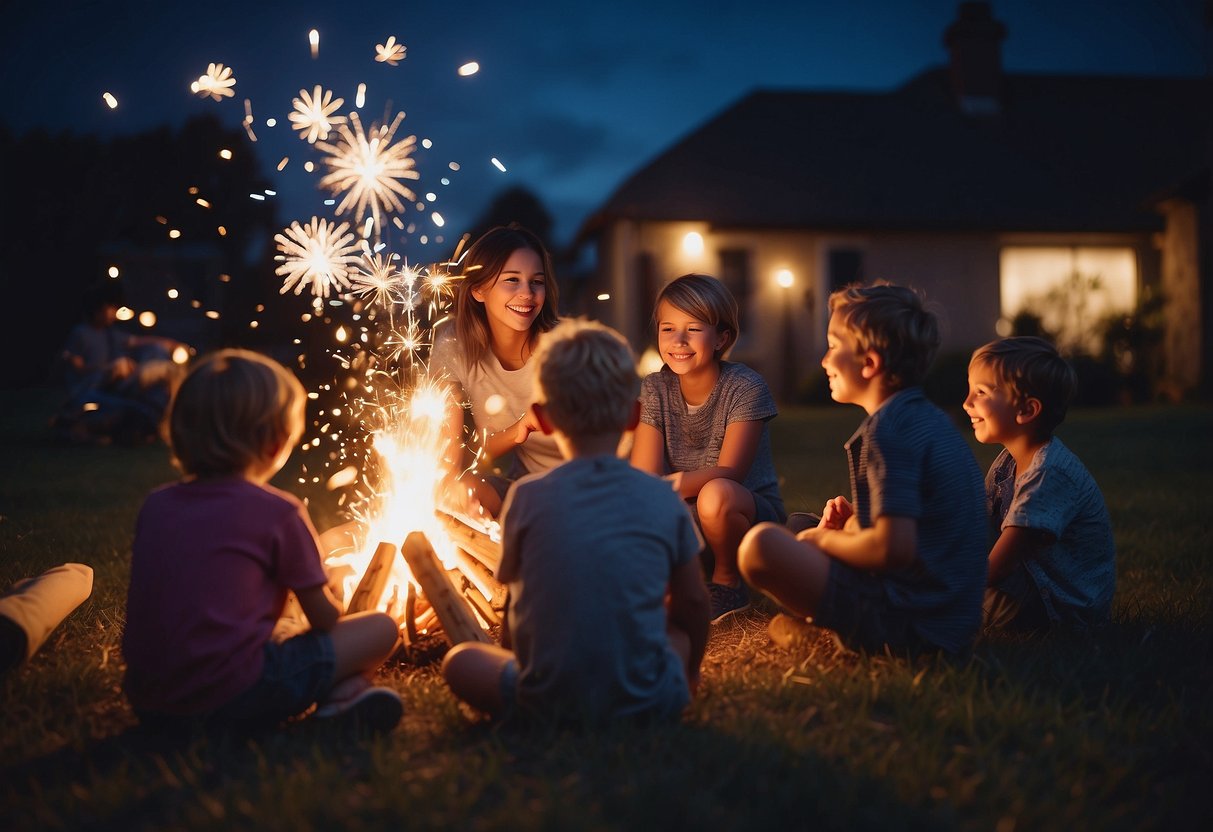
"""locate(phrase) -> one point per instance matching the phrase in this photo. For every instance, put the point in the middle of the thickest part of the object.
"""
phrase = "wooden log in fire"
(457, 620)
(473, 541)
(374, 580)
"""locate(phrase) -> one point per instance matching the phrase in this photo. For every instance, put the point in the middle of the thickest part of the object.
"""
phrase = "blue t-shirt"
(587, 551)
(1076, 576)
(908, 460)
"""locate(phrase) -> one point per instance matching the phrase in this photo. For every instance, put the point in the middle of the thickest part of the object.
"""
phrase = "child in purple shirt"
(213, 559)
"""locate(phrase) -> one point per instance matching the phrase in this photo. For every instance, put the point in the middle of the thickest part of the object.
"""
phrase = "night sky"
(570, 97)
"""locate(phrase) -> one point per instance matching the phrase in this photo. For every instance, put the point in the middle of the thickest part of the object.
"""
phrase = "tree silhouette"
(520, 205)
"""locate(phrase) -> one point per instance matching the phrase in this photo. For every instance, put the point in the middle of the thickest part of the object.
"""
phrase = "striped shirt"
(693, 440)
(908, 460)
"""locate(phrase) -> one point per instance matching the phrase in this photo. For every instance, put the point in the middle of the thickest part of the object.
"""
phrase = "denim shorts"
(855, 607)
(297, 673)
(509, 688)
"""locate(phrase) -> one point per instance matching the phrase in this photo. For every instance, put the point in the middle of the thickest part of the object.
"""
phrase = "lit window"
(1071, 290)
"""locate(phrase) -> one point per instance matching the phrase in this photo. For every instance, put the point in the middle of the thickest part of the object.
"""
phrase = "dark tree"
(516, 204)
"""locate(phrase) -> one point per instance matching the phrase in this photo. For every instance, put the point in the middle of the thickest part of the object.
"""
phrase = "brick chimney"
(974, 42)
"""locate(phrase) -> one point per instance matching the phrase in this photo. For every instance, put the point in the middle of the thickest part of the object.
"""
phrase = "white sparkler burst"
(368, 169)
(378, 278)
(313, 115)
(390, 53)
(319, 254)
(216, 83)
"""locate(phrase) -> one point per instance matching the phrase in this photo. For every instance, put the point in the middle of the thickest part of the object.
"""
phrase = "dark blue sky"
(571, 97)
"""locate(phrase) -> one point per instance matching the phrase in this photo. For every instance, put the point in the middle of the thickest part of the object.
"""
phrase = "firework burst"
(368, 169)
(313, 115)
(390, 53)
(217, 82)
(319, 254)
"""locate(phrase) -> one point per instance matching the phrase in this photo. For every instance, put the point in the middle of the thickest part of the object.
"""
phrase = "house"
(1073, 198)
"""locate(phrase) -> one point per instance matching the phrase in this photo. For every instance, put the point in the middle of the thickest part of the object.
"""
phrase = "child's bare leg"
(793, 572)
(362, 642)
(474, 673)
(726, 512)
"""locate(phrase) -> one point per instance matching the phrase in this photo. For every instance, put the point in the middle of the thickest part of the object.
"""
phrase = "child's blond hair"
(707, 299)
(233, 408)
(894, 322)
(1031, 368)
(586, 379)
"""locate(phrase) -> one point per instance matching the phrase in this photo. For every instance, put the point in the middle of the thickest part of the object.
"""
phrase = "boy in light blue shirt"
(1053, 564)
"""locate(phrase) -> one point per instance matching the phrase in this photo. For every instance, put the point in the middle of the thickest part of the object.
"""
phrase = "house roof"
(1066, 153)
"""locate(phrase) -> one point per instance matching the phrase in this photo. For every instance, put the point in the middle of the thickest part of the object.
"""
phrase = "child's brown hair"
(892, 321)
(707, 299)
(233, 409)
(1031, 368)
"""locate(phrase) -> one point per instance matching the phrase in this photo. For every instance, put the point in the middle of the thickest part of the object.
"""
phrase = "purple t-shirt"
(211, 564)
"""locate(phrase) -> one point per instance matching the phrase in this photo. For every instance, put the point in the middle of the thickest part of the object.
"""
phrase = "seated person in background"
(118, 382)
(591, 550)
(903, 566)
(1054, 561)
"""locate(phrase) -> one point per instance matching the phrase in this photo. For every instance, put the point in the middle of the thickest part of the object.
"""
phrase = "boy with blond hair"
(1054, 561)
(590, 551)
(902, 565)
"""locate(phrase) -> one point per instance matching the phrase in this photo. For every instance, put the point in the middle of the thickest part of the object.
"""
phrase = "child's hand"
(836, 513)
(675, 481)
(525, 426)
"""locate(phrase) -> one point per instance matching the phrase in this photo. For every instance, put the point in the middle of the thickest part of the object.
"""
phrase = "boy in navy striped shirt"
(902, 565)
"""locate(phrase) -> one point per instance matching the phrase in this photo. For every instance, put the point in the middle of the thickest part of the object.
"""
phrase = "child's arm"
(689, 611)
(648, 449)
(736, 456)
(1015, 545)
(318, 604)
(892, 543)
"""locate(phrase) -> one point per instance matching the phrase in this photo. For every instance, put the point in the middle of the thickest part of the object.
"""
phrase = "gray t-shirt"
(1056, 494)
(587, 551)
(693, 440)
(496, 396)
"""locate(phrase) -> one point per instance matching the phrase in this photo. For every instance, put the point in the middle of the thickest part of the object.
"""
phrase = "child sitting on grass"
(705, 424)
(590, 550)
(903, 566)
(213, 559)
(1054, 562)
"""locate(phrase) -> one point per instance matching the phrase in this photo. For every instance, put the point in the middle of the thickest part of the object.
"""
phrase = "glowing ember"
(217, 83)
(390, 53)
(368, 169)
(319, 254)
(313, 114)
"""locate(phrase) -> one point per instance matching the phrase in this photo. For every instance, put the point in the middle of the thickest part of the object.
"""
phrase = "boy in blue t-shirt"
(1054, 561)
(608, 614)
(903, 566)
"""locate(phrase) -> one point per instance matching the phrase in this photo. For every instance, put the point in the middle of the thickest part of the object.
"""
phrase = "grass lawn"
(1113, 731)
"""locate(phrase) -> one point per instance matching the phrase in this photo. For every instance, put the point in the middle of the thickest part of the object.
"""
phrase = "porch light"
(692, 243)
(785, 278)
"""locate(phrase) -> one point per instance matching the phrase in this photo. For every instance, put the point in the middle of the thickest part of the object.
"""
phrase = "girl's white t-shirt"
(497, 397)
